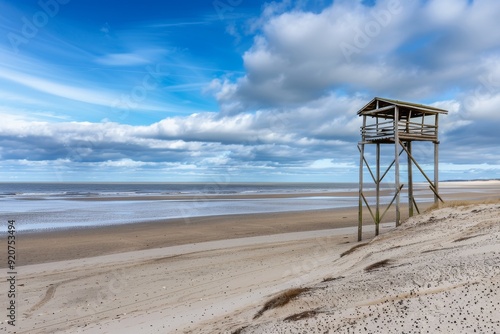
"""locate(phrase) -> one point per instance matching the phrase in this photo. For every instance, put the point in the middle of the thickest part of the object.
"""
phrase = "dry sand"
(167, 289)
(437, 273)
(213, 274)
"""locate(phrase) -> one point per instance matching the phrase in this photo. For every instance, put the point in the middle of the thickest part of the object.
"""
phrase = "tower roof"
(385, 108)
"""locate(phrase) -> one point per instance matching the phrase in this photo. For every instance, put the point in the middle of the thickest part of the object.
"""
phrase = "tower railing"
(385, 130)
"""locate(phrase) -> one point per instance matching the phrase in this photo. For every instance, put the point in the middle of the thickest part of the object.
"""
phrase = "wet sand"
(86, 242)
(81, 243)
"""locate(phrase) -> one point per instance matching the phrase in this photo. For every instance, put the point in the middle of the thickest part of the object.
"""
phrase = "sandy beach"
(211, 275)
(437, 273)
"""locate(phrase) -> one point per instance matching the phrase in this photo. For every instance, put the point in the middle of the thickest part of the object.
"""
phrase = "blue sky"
(237, 90)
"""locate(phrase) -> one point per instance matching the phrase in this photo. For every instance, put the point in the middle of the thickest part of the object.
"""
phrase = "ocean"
(54, 206)
(65, 190)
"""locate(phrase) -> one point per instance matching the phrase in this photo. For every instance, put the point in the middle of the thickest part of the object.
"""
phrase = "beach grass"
(352, 249)
(301, 315)
(378, 264)
(281, 300)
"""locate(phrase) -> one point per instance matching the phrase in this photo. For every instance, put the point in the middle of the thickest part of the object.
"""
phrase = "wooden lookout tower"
(398, 123)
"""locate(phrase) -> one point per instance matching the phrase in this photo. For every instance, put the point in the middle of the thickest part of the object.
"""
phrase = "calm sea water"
(133, 189)
(42, 206)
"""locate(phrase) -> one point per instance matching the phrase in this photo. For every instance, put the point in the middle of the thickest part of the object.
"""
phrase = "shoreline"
(78, 243)
(450, 191)
(199, 197)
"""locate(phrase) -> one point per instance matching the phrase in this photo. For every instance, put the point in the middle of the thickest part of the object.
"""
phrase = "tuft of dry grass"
(467, 238)
(329, 279)
(352, 249)
(280, 300)
(438, 249)
(239, 330)
(301, 315)
(378, 264)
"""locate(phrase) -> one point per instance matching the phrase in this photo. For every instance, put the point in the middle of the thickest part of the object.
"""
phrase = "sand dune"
(437, 273)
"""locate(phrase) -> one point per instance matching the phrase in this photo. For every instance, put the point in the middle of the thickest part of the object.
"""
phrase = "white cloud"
(323, 163)
(122, 59)
(486, 107)
(299, 56)
(444, 11)
(266, 137)
(58, 89)
(134, 58)
(127, 163)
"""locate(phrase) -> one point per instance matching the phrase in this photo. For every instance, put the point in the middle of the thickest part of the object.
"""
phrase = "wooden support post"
(396, 164)
(436, 172)
(377, 184)
(361, 148)
(410, 181)
(436, 164)
(360, 207)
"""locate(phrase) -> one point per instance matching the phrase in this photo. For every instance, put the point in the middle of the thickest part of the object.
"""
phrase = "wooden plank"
(368, 206)
(436, 194)
(421, 125)
(409, 136)
(368, 166)
(392, 201)
(416, 206)
(376, 111)
(423, 121)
